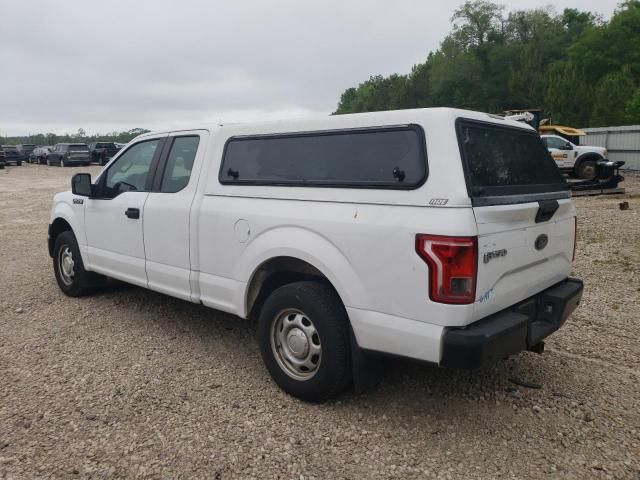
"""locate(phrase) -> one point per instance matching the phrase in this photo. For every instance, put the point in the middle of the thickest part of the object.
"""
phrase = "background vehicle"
(68, 154)
(12, 156)
(25, 149)
(40, 154)
(3, 158)
(578, 160)
(340, 235)
(101, 152)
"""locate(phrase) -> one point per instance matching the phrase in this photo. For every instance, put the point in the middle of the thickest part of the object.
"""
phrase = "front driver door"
(113, 220)
(559, 152)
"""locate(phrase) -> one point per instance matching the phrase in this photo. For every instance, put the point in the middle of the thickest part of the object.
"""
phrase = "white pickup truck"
(439, 235)
(578, 160)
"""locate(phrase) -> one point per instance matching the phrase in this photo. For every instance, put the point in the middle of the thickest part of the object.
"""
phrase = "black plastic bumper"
(513, 330)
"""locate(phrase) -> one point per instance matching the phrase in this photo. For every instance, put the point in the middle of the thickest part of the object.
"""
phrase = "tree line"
(79, 137)
(579, 69)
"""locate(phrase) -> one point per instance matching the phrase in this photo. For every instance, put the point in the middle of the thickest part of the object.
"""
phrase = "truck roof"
(353, 120)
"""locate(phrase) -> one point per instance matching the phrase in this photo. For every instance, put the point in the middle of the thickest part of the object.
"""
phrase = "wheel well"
(58, 226)
(275, 273)
(587, 156)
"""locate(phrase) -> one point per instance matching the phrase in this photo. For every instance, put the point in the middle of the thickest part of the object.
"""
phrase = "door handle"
(132, 212)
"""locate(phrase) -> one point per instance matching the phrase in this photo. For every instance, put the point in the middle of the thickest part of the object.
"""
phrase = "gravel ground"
(130, 383)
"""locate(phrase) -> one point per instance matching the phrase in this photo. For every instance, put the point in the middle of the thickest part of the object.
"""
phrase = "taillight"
(453, 266)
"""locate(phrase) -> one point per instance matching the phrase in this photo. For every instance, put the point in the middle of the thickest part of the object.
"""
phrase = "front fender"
(64, 210)
(306, 245)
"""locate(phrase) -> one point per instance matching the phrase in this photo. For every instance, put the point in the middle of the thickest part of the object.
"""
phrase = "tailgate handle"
(546, 210)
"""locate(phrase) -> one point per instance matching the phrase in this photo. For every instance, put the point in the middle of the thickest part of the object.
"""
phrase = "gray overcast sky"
(105, 65)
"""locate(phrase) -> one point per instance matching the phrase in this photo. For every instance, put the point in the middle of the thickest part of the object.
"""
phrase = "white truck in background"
(578, 160)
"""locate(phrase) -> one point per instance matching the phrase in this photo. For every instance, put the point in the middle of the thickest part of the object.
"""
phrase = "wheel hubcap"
(295, 344)
(65, 262)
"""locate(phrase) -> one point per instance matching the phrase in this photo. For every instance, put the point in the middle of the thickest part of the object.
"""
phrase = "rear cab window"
(507, 164)
(381, 157)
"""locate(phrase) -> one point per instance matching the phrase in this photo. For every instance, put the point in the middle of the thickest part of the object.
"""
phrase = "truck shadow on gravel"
(224, 340)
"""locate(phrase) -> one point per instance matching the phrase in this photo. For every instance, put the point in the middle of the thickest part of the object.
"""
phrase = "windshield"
(502, 160)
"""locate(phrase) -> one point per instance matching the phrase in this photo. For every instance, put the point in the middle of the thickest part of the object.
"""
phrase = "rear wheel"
(69, 270)
(304, 340)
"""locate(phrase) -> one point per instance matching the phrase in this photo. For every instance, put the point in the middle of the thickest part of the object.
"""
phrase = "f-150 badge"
(495, 254)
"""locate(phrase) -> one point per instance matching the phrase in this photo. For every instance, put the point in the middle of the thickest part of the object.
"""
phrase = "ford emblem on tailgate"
(541, 242)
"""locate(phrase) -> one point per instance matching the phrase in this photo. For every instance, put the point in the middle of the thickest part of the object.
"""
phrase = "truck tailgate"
(518, 257)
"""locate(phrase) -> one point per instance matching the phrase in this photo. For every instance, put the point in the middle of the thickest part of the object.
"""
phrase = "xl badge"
(495, 254)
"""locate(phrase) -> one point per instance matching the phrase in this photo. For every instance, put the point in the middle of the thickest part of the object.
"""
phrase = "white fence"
(623, 143)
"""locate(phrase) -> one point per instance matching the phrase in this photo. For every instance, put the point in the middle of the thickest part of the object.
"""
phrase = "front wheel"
(69, 270)
(586, 170)
(304, 340)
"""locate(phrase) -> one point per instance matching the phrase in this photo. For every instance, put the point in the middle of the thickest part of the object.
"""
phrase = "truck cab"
(440, 235)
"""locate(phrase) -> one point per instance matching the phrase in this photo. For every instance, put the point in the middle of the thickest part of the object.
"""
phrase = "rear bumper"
(512, 330)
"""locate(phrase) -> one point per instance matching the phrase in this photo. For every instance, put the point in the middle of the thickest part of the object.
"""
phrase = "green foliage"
(569, 96)
(612, 94)
(633, 109)
(581, 69)
(79, 137)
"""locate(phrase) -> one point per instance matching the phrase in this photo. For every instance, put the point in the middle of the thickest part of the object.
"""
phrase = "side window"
(130, 172)
(179, 164)
(555, 142)
(386, 157)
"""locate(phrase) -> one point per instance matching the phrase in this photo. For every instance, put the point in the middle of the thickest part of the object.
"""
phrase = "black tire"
(82, 281)
(586, 170)
(320, 306)
(19, 163)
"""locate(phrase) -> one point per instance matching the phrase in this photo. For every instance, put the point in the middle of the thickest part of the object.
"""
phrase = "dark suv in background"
(25, 149)
(66, 154)
(101, 152)
(12, 155)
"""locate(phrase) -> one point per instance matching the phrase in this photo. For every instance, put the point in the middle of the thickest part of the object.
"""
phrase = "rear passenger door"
(167, 214)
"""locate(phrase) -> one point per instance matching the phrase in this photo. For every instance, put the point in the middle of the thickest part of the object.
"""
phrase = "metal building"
(623, 143)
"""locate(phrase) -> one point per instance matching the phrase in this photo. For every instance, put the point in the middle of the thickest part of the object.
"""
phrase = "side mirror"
(567, 146)
(81, 184)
